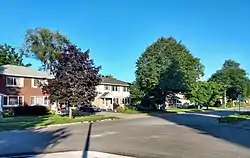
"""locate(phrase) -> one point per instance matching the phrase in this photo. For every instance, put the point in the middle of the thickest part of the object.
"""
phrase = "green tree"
(234, 80)
(167, 67)
(135, 93)
(206, 93)
(8, 55)
(45, 45)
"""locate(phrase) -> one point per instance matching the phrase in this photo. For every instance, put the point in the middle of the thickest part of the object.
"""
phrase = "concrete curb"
(63, 124)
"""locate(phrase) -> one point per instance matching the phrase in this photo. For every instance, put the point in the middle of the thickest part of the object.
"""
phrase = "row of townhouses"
(19, 87)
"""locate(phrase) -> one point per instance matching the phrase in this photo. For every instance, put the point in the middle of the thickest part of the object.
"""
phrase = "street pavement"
(157, 136)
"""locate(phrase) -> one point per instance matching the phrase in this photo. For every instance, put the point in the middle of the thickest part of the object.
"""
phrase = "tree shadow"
(30, 142)
(209, 125)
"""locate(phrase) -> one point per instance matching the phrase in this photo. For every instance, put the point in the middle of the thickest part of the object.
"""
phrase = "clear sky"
(118, 31)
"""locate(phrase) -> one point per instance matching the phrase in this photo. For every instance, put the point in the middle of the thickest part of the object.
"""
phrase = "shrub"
(30, 111)
(119, 109)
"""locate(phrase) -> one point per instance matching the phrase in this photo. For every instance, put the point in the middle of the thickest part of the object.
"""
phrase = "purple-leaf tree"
(76, 78)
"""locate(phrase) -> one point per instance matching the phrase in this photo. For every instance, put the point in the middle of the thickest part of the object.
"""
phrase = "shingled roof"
(21, 71)
(113, 81)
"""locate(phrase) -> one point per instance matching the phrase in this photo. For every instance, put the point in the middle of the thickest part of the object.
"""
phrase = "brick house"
(19, 86)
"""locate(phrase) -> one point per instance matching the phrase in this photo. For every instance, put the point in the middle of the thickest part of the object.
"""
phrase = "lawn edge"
(62, 124)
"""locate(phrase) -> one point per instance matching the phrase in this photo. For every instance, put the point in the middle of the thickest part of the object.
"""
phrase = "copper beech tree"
(76, 78)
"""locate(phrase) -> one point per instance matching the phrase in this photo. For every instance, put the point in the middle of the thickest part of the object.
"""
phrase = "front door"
(109, 103)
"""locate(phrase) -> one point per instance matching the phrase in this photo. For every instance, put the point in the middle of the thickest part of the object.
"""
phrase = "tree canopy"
(233, 78)
(8, 55)
(45, 45)
(167, 67)
(206, 93)
(76, 78)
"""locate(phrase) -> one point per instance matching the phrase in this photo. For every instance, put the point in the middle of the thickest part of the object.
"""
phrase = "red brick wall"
(27, 90)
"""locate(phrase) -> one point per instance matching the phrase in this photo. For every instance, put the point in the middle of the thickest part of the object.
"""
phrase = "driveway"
(169, 135)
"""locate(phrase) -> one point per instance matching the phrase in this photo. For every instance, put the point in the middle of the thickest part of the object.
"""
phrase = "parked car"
(81, 110)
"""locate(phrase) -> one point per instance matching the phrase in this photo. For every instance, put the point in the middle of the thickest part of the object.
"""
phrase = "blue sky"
(118, 31)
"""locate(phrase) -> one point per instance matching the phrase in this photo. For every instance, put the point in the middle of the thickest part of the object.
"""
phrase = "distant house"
(111, 92)
(19, 86)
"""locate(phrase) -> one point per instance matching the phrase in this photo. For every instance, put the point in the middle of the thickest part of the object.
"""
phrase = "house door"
(109, 103)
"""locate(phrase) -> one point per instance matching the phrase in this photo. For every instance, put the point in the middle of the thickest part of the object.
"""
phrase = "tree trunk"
(225, 98)
(70, 112)
(164, 101)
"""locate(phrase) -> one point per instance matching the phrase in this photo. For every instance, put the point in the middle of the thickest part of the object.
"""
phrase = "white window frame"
(115, 89)
(33, 82)
(125, 89)
(8, 100)
(40, 97)
(20, 81)
(106, 87)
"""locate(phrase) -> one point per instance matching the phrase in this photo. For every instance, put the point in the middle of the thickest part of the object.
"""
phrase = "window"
(114, 88)
(37, 82)
(125, 89)
(13, 81)
(39, 100)
(13, 100)
(125, 101)
(106, 87)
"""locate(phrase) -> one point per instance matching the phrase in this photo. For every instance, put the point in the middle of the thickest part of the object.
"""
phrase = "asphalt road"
(170, 136)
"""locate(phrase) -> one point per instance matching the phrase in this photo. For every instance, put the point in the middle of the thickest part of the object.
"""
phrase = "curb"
(63, 124)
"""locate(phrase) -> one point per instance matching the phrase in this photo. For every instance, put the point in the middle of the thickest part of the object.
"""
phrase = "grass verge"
(234, 118)
(19, 123)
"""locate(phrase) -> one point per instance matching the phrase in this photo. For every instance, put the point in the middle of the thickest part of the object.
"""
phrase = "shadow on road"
(208, 125)
(30, 142)
(87, 143)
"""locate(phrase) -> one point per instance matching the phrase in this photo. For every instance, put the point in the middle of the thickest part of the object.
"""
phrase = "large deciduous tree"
(76, 78)
(233, 78)
(206, 93)
(8, 55)
(45, 45)
(167, 67)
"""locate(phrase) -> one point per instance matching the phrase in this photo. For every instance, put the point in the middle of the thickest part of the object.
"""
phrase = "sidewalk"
(73, 154)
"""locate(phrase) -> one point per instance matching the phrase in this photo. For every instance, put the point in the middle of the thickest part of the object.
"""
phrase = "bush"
(30, 110)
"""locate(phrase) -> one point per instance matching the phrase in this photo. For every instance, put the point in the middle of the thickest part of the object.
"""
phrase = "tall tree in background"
(76, 78)
(45, 45)
(8, 55)
(234, 79)
(206, 93)
(167, 67)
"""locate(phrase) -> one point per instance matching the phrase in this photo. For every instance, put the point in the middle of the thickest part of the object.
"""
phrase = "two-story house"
(112, 91)
(19, 86)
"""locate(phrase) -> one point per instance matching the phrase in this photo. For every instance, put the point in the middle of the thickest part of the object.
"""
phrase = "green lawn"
(233, 119)
(11, 123)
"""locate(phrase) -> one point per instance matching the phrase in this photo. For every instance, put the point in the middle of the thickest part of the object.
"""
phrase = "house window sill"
(11, 105)
(13, 86)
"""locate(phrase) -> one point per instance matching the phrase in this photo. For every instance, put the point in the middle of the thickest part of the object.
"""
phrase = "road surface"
(169, 135)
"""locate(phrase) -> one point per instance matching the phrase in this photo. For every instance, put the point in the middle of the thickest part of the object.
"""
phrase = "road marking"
(103, 134)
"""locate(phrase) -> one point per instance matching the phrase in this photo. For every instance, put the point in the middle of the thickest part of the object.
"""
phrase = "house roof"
(106, 95)
(21, 71)
(113, 81)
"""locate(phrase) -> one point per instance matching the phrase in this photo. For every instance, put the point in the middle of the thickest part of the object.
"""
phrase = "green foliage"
(8, 55)
(136, 94)
(233, 78)
(166, 67)
(45, 45)
(205, 93)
